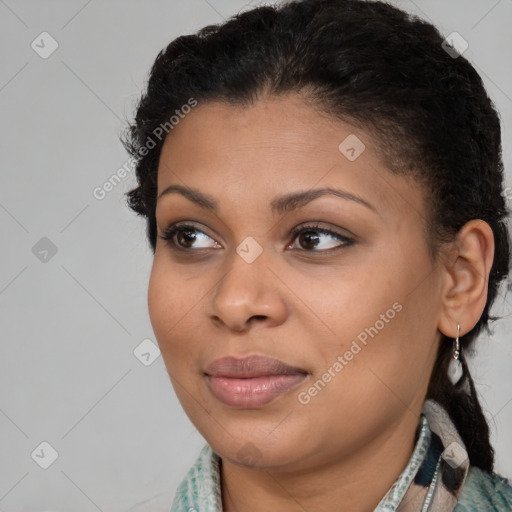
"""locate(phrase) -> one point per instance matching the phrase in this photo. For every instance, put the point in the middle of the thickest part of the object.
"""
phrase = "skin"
(303, 304)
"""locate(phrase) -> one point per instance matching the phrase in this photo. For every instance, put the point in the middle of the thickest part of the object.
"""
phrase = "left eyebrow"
(280, 205)
(294, 200)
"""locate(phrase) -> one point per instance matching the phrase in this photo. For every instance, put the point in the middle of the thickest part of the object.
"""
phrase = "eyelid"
(326, 226)
(185, 224)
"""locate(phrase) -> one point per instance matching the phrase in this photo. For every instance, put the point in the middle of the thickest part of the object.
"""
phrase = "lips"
(251, 382)
(252, 366)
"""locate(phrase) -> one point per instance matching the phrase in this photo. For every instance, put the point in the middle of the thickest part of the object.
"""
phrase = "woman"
(322, 182)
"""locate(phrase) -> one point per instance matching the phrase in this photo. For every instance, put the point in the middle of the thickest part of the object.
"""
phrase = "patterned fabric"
(200, 489)
(391, 500)
(437, 478)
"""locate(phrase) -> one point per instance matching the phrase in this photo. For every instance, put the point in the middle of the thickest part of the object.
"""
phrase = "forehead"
(277, 145)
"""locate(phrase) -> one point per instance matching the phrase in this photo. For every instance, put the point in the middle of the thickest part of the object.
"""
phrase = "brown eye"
(184, 236)
(313, 239)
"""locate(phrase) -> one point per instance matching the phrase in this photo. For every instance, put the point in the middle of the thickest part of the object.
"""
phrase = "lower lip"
(252, 392)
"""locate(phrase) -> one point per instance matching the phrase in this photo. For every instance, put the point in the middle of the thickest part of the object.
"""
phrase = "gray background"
(72, 320)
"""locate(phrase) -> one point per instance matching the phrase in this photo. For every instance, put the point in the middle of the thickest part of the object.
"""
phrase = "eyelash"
(173, 229)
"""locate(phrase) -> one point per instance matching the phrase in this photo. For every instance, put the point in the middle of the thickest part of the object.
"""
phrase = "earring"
(455, 366)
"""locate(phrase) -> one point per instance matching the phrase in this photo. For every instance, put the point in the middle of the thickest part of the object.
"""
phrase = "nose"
(248, 293)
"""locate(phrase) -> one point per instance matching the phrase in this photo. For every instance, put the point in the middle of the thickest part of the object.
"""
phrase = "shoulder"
(484, 491)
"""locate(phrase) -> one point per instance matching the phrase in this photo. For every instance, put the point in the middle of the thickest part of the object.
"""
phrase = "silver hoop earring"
(455, 366)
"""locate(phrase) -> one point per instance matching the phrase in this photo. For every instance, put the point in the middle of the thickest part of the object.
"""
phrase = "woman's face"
(353, 310)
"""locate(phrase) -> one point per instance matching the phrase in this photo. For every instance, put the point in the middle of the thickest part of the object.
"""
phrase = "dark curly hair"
(380, 69)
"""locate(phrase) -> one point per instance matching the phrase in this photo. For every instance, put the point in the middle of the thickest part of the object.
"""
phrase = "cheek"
(177, 303)
(373, 321)
(160, 299)
(171, 303)
(345, 302)
(386, 363)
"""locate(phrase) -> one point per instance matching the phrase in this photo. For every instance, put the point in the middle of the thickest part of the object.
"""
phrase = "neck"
(356, 482)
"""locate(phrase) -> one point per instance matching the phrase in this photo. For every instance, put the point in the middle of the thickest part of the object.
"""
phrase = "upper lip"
(251, 366)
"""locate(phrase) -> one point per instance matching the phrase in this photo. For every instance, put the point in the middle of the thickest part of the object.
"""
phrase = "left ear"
(467, 269)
